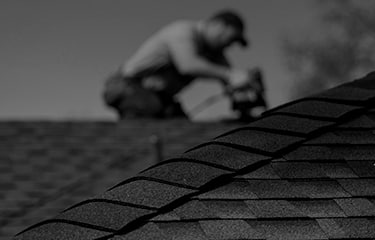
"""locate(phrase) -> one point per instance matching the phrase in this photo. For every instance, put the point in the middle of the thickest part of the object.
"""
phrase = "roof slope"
(304, 171)
(47, 166)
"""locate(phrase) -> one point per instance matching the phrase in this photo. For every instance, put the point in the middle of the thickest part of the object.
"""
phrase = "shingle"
(187, 173)
(356, 136)
(348, 227)
(182, 230)
(228, 209)
(358, 228)
(229, 229)
(234, 190)
(319, 188)
(325, 139)
(273, 189)
(288, 229)
(346, 92)
(104, 214)
(225, 156)
(357, 207)
(150, 231)
(332, 152)
(146, 193)
(332, 229)
(318, 208)
(356, 152)
(337, 170)
(264, 172)
(313, 153)
(363, 168)
(360, 122)
(253, 189)
(273, 209)
(264, 141)
(194, 210)
(298, 170)
(166, 217)
(60, 231)
(359, 187)
(289, 123)
(315, 108)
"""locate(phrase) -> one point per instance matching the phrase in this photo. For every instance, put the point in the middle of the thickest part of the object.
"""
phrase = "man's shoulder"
(179, 28)
(182, 24)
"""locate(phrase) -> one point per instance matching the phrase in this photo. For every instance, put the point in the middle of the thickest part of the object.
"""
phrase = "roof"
(47, 166)
(305, 170)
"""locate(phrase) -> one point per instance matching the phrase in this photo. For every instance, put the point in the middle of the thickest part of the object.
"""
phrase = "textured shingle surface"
(309, 177)
(259, 140)
(223, 156)
(185, 173)
(109, 215)
(47, 166)
(146, 193)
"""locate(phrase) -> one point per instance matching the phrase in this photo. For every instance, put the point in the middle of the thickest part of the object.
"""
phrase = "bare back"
(154, 61)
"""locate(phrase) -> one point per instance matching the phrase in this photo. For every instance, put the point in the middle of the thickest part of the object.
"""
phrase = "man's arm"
(183, 51)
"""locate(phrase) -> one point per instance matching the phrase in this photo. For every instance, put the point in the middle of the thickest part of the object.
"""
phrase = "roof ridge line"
(138, 222)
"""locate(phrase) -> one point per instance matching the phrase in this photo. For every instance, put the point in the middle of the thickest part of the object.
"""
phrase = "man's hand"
(238, 78)
(245, 80)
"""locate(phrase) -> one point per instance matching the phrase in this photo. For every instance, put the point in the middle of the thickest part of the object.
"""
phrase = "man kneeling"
(146, 85)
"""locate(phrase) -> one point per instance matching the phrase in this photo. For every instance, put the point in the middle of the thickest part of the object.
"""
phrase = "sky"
(55, 55)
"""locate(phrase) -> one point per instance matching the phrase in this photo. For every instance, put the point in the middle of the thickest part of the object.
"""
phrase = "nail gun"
(247, 101)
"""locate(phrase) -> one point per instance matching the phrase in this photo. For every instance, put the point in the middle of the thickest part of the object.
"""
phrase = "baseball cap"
(232, 18)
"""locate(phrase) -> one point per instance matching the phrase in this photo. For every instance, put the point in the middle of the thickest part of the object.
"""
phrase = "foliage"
(342, 50)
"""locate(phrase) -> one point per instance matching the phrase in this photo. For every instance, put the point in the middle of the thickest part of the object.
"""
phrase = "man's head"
(223, 29)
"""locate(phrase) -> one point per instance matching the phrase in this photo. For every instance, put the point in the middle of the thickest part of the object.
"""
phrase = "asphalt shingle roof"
(303, 171)
(47, 166)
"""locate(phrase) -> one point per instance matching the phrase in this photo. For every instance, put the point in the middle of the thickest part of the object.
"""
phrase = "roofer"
(146, 85)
